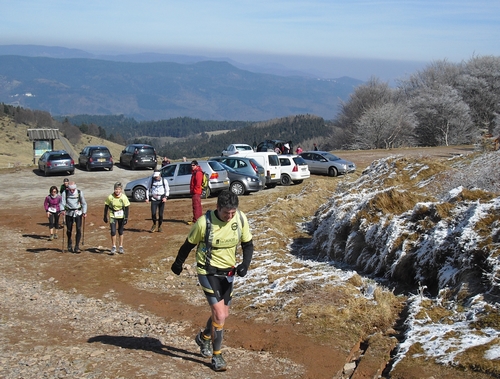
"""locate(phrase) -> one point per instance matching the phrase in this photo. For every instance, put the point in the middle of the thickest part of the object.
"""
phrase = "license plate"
(101, 160)
(273, 176)
(226, 181)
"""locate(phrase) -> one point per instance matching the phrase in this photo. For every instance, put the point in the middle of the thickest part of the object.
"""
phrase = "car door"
(168, 172)
(42, 161)
(82, 158)
(321, 163)
(183, 178)
(127, 155)
(313, 164)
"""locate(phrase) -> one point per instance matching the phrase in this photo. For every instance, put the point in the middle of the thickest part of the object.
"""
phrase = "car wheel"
(297, 181)
(121, 162)
(45, 172)
(87, 166)
(286, 180)
(111, 168)
(271, 185)
(139, 194)
(72, 172)
(132, 165)
(332, 171)
(237, 188)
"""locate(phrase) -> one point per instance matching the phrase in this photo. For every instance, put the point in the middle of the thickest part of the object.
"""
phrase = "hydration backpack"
(204, 180)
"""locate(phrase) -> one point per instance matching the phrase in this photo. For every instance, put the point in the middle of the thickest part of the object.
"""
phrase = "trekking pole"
(63, 233)
(83, 231)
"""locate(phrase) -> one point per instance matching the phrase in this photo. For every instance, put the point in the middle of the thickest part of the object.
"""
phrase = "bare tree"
(387, 126)
(43, 119)
(480, 87)
(365, 97)
(443, 117)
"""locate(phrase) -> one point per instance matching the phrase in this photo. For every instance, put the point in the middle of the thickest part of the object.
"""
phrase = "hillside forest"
(443, 104)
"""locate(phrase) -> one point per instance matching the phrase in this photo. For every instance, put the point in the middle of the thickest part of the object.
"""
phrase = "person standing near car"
(196, 190)
(75, 210)
(116, 207)
(64, 186)
(53, 208)
(217, 235)
(157, 193)
(165, 161)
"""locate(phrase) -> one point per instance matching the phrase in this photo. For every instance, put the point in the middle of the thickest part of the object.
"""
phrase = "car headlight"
(250, 179)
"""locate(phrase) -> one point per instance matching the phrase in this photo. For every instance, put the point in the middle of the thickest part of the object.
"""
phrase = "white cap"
(156, 174)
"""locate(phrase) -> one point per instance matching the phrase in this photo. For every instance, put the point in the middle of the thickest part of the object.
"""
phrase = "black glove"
(241, 270)
(105, 219)
(176, 268)
(125, 221)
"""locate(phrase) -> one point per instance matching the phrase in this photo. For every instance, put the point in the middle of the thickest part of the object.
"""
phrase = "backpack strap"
(209, 236)
(79, 199)
(162, 183)
(208, 239)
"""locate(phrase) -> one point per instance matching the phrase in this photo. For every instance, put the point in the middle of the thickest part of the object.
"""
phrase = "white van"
(271, 163)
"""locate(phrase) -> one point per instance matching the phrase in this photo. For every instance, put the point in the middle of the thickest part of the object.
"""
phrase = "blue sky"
(290, 32)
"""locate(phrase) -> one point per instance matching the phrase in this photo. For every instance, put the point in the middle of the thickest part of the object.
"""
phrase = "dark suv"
(138, 155)
(92, 157)
(275, 145)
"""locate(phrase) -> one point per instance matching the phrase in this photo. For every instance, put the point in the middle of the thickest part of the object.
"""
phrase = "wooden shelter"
(43, 140)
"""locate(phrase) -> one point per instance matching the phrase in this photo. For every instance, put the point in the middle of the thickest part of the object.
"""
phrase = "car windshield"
(330, 157)
(255, 163)
(58, 156)
(216, 166)
(243, 147)
(146, 150)
(299, 161)
(101, 153)
(227, 168)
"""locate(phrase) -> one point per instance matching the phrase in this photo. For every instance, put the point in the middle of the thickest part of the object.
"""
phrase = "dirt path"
(254, 349)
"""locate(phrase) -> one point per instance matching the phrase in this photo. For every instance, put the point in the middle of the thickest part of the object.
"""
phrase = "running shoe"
(204, 344)
(218, 363)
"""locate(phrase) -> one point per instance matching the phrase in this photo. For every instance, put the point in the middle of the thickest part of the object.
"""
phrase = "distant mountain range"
(147, 87)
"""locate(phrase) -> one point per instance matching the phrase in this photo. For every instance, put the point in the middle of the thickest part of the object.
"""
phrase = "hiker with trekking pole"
(75, 211)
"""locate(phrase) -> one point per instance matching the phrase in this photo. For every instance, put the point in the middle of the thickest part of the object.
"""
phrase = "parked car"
(323, 162)
(138, 155)
(242, 184)
(274, 145)
(271, 164)
(244, 165)
(52, 162)
(179, 177)
(235, 148)
(294, 169)
(92, 157)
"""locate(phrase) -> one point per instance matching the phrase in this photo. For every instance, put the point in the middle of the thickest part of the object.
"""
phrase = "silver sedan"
(323, 162)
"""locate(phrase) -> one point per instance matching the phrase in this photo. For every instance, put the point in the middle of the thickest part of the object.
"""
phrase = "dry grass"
(16, 150)
(343, 312)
